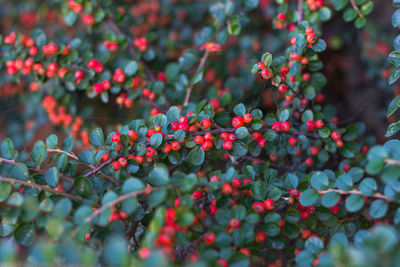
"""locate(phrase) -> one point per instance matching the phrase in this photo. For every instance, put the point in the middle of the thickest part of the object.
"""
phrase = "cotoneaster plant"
(190, 167)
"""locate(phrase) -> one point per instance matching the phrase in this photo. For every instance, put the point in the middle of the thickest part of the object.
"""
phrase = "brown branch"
(63, 176)
(299, 11)
(118, 200)
(41, 187)
(355, 7)
(182, 252)
(57, 150)
(100, 167)
(342, 192)
(392, 162)
(199, 67)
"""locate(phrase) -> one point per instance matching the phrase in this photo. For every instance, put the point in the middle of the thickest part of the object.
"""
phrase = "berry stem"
(355, 7)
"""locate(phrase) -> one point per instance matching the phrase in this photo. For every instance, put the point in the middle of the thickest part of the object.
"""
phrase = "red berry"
(247, 118)
(283, 88)
(314, 150)
(258, 207)
(293, 141)
(149, 152)
(116, 165)
(294, 192)
(319, 124)
(209, 238)
(224, 136)
(286, 126)
(260, 238)
(234, 223)
(232, 137)
(236, 183)
(205, 124)
(262, 142)
(266, 73)
(132, 135)
(87, 236)
(335, 209)
(269, 204)
(336, 135)
(226, 189)
(310, 125)
(116, 137)
(198, 139)
(105, 157)
(309, 162)
(207, 145)
(175, 145)
(227, 145)
(237, 122)
(277, 126)
(260, 65)
(197, 194)
(122, 161)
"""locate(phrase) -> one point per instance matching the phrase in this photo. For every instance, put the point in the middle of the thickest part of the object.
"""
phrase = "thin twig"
(355, 7)
(199, 67)
(118, 200)
(41, 187)
(342, 192)
(299, 11)
(57, 150)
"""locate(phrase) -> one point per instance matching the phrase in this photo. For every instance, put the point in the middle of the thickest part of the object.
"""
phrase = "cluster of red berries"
(311, 36)
(50, 48)
(266, 72)
(123, 99)
(119, 76)
(103, 86)
(76, 7)
(311, 125)
(95, 64)
(88, 19)
(111, 46)
(165, 238)
(314, 4)
(58, 116)
(280, 126)
(140, 43)
(280, 22)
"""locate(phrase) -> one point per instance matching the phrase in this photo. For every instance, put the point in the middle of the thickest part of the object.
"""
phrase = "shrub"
(179, 141)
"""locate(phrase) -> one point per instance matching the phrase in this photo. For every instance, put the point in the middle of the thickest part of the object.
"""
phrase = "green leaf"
(360, 22)
(349, 14)
(97, 137)
(68, 144)
(86, 156)
(132, 185)
(196, 156)
(157, 197)
(309, 197)
(20, 172)
(266, 58)
(319, 180)
(396, 24)
(52, 177)
(392, 129)
(159, 175)
(259, 190)
(239, 110)
(198, 77)
(282, 115)
(367, 8)
(319, 46)
(339, 4)
(354, 202)
(394, 75)
(131, 68)
(241, 133)
(83, 187)
(378, 208)
(324, 13)
(314, 244)
(330, 199)
(156, 140)
(24, 234)
(52, 141)
(173, 114)
(394, 104)
(234, 25)
(7, 149)
(70, 18)
(39, 153)
(368, 186)
(344, 182)
(4, 191)
(396, 3)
